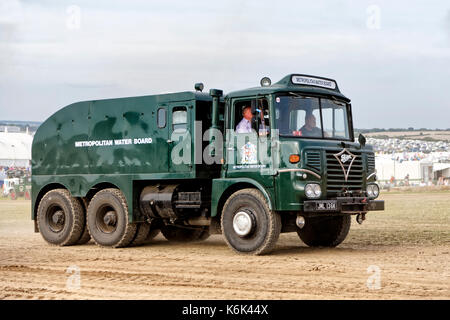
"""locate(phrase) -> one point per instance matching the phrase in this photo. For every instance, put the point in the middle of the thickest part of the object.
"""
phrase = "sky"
(391, 58)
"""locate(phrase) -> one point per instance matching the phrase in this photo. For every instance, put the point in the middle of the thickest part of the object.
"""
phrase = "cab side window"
(251, 115)
(179, 119)
(161, 118)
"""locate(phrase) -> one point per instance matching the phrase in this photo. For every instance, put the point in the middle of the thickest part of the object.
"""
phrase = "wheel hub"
(58, 217)
(242, 223)
(55, 219)
(110, 218)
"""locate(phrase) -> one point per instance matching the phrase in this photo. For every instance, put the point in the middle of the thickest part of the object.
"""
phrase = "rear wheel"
(85, 236)
(60, 218)
(107, 217)
(327, 231)
(248, 224)
(182, 234)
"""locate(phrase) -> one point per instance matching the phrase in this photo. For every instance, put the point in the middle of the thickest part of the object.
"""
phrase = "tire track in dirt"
(162, 276)
(414, 264)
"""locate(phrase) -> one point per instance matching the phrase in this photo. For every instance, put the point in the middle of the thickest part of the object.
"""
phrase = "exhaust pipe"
(215, 94)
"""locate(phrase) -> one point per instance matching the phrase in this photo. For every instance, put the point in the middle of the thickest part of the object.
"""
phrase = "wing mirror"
(362, 140)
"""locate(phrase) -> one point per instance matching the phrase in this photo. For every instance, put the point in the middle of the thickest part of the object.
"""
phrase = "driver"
(310, 129)
(245, 125)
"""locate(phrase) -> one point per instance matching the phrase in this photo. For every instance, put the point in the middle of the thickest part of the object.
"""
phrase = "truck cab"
(302, 154)
(251, 164)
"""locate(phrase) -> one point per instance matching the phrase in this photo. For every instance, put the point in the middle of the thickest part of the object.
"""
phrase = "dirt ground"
(401, 253)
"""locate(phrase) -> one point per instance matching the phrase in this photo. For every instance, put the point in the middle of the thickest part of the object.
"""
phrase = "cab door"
(250, 154)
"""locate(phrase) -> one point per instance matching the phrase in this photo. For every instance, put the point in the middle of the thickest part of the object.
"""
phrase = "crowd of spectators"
(388, 146)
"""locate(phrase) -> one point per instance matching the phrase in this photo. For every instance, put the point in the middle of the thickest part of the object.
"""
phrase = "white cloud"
(140, 47)
(10, 12)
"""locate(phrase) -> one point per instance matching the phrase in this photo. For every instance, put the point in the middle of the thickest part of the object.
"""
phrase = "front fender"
(221, 188)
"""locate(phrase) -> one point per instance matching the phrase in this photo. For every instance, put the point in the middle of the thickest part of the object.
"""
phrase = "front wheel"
(248, 224)
(327, 231)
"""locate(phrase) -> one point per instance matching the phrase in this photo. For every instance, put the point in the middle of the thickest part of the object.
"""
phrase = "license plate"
(326, 205)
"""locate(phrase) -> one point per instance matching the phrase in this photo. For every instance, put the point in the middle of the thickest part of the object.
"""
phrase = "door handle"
(169, 141)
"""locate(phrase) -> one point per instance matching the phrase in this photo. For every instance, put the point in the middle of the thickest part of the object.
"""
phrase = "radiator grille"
(371, 162)
(313, 160)
(336, 181)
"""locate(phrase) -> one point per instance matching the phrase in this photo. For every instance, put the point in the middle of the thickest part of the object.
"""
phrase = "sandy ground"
(401, 253)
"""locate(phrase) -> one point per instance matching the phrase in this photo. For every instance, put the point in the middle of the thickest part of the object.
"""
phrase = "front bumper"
(350, 205)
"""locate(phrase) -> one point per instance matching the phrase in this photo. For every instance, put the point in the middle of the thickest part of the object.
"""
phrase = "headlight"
(369, 191)
(312, 190)
(372, 190)
(376, 190)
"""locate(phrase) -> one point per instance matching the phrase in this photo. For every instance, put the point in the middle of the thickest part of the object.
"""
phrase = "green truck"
(275, 158)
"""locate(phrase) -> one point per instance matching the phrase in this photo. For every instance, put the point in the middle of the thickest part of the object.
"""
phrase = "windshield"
(301, 116)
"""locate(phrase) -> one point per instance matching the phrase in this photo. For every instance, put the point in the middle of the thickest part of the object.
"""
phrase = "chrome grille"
(371, 162)
(335, 175)
(313, 160)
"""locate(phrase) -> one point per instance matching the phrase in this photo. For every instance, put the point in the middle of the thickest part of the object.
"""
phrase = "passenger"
(245, 125)
(310, 129)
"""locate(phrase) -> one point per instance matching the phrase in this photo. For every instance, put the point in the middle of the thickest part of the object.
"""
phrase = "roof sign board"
(310, 81)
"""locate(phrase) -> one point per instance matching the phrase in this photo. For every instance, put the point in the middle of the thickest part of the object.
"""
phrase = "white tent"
(399, 165)
(15, 149)
(387, 168)
(440, 166)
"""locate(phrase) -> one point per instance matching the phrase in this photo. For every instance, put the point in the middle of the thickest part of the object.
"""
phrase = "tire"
(142, 231)
(265, 224)
(107, 219)
(181, 234)
(327, 231)
(60, 218)
(85, 236)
